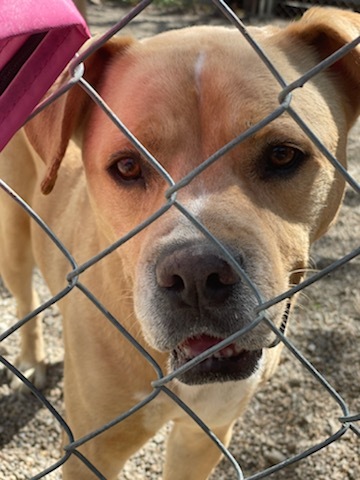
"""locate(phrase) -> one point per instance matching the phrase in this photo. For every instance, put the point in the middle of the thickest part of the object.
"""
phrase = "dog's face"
(185, 95)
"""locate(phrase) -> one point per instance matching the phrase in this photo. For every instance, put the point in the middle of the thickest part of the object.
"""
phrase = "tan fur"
(184, 94)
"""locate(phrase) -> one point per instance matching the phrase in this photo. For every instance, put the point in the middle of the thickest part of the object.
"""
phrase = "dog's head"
(184, 95)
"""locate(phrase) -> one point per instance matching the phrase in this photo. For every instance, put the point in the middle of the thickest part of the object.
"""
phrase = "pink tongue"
(199, 344)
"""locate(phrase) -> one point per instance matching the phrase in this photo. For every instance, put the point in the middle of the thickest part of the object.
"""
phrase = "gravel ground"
(290, 414)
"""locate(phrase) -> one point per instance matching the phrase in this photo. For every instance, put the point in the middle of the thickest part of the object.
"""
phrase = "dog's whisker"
(305, 270)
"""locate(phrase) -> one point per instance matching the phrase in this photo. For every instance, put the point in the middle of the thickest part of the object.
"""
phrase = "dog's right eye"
(126, 168)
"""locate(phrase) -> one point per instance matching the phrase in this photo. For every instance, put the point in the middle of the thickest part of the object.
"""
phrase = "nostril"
(169, 280)
(213, 282)
(177, 284)
(224, 278)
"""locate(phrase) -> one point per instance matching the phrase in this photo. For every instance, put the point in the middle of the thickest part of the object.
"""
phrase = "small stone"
(274, 456)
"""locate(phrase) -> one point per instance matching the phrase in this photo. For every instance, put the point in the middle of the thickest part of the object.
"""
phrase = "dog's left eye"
(126, 169)
(284, 157)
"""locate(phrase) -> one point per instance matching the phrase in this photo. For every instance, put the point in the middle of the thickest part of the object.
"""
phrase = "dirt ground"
(291, 414)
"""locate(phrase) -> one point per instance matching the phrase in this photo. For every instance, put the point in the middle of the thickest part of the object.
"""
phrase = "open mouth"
(229, 363)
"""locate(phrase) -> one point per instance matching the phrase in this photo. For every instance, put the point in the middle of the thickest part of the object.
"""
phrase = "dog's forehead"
(220, 50)
(176, 71)
(177, 57)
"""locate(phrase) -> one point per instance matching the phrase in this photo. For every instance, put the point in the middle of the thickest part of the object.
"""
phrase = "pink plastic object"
(38, 38)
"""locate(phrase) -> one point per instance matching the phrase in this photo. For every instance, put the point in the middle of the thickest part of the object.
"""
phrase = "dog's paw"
(35, 373)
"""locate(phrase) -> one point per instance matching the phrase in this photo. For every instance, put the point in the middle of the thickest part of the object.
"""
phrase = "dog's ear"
(49, 132)
(327, 30)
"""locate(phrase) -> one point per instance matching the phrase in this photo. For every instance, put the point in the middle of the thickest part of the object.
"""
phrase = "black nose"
(196, 276)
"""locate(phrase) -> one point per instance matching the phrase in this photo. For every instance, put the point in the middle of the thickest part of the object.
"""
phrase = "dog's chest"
(215, 404)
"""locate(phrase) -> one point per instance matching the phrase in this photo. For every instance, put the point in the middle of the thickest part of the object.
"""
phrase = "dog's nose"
(193, 277)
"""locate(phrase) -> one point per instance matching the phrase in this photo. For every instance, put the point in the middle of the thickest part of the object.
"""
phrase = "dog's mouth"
(232, 362)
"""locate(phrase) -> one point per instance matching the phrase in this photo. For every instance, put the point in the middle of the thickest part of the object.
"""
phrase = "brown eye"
(284, 158)
(129, 169)
(282, 155)
(126, 169)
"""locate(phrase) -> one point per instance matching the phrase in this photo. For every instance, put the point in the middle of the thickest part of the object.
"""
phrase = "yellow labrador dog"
(184, 94)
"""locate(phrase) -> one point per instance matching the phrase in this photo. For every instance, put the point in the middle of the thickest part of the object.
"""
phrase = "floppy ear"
(327, 30)
(50, 131)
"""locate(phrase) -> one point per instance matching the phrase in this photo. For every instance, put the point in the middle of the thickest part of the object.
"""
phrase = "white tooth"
(186, 351)
(228, 352)
(238, 349)
(224, 353)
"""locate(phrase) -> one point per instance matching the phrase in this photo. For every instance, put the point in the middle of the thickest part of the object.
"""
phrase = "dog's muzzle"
(202, 293)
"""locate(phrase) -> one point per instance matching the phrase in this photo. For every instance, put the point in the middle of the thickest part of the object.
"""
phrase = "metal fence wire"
(347, 420)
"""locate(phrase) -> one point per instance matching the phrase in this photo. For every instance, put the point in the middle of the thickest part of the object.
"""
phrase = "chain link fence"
(347, 419)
